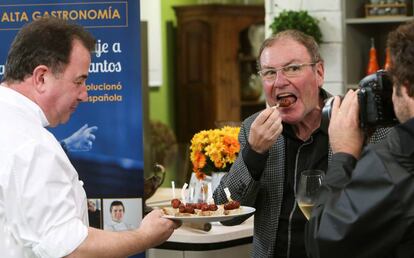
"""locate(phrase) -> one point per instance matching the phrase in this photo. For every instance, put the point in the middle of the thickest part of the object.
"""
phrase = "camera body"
(375, 102)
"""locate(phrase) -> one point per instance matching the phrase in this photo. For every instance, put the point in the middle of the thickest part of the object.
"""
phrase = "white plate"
(204, 219)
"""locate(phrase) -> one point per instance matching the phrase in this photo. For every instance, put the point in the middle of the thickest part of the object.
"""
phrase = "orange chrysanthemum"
(214, 150)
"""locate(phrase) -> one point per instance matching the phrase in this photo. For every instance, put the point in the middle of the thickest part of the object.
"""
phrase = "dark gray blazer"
(266, 194)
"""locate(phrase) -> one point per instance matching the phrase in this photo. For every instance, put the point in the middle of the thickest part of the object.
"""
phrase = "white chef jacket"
(43, 206)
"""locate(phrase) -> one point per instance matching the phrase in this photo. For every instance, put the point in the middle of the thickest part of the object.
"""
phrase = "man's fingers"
(264, 115)
(335, 106)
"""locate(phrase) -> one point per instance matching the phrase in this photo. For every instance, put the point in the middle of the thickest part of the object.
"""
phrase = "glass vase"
(216, 178)
(198, 189)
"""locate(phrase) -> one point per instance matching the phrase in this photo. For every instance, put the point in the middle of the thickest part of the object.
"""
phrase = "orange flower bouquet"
(214, 150)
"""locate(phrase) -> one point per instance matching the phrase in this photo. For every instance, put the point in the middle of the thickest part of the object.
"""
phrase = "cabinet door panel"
(208, 75)
(193, 97)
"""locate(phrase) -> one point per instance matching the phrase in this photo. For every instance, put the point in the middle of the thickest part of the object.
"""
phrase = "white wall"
(330, 16)
(151, 12)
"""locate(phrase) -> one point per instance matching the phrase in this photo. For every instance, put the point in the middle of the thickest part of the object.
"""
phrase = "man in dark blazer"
(280, 142)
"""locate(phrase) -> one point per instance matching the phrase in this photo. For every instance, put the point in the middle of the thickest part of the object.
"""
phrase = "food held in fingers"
(286, 99)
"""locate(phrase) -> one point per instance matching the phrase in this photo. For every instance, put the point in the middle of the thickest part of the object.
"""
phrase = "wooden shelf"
(393, 9)
(379, 19)
(358, 31)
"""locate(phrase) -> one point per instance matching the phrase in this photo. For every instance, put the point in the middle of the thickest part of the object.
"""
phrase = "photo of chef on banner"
(122, 214)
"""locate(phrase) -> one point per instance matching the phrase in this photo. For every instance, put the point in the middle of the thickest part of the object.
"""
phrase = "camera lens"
(327, 108)
(326, 112)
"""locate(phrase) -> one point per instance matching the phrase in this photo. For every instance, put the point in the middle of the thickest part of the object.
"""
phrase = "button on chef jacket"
(43, 208)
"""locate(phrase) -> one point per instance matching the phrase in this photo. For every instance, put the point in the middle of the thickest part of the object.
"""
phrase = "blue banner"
(90, 14)
(113, 167)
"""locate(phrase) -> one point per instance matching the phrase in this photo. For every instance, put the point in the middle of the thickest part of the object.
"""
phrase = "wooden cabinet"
(358, 31)
(208, 56)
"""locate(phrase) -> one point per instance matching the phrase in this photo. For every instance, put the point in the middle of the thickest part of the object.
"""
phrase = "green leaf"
(298, 20)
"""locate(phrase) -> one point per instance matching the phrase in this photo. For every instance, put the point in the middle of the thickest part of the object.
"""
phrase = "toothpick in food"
(228, 194)
(173, 189)
(183, 193)
(210, 199)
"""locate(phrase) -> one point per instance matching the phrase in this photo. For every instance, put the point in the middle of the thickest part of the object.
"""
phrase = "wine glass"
(308, 189)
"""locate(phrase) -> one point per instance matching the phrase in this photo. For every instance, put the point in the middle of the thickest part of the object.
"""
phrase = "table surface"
(187, 234)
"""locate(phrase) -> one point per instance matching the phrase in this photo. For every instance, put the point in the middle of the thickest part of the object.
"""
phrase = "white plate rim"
(245, 210)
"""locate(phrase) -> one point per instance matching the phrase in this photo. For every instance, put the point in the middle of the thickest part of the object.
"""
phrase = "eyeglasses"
(292, 70)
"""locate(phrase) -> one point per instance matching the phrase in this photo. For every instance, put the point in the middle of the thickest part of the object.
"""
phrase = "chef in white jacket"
(43, 206)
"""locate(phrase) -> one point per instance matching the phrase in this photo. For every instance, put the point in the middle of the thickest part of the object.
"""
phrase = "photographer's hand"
(81, 140)
(345, 135)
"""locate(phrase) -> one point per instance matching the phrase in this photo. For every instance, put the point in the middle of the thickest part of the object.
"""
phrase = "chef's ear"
(39, 77)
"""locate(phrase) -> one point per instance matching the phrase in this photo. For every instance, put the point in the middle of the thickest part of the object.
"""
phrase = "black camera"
(375, 102)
